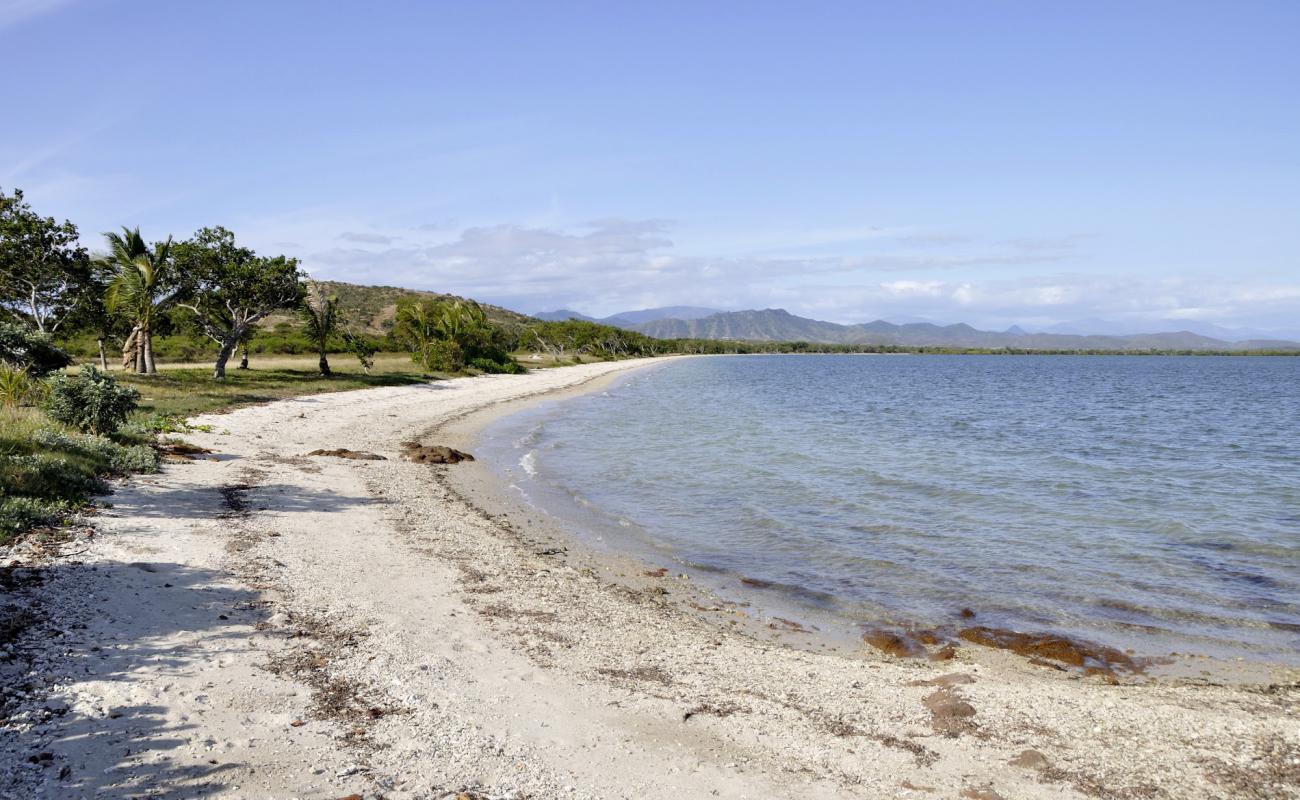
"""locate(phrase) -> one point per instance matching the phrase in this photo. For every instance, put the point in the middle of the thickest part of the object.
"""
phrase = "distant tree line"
(200, 297)
(207, 296)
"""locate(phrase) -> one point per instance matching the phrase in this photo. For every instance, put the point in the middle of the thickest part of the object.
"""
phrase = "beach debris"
(950, 714)
(433, 454)
(950, 679)
(946, 653)
(980, 794)
(967, 613)
(915, 788)
(343, 452)
(905, 643)
(1042, 649)
(651, 674)
(175, 451)
(1030, 759)
(1093, 659)
(783, 624)
(657, 573)
(711, 709)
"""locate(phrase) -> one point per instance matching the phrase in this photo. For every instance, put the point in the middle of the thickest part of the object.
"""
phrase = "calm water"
(1146, 502)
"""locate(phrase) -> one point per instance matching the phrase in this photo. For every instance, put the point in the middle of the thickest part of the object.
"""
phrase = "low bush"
(91, 401)
(20, 514)
(443, 355)
(47, 476)
(46, 471)
(146, 426)
(491, 367)
(35, 353)
(16, 387)
(363, 347)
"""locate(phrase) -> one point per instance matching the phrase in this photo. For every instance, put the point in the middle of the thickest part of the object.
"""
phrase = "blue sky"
(993, 163)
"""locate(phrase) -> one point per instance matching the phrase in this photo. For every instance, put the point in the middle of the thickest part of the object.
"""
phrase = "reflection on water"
(1147, 502)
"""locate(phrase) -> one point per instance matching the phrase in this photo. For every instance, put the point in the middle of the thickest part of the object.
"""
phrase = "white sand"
(428, 648)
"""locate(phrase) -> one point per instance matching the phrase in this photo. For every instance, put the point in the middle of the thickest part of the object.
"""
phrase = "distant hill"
(627, 319)
(1101, 327)
(563, 315)
(374, 308)
(775, 324)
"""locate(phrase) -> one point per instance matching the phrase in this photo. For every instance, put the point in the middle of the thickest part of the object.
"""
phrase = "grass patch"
(47, 470)
(183, 390)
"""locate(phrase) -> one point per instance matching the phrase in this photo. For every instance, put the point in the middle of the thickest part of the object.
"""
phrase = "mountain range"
(626, 319)
(775, 324)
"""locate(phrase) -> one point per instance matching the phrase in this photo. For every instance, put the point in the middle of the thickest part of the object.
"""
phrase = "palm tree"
(140, 288)
(457, 318)
(320, 313)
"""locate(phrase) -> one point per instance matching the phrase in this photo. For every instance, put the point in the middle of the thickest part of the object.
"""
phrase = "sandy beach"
(262, 623)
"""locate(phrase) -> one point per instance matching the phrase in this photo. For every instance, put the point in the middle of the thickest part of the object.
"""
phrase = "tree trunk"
(243, 356)
(138, 361)
(146, 353)
(103, 359)
(129, 350)
(324, 364)
(227, 348)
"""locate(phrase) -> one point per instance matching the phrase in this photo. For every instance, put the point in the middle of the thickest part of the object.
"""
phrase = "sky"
(994, 163)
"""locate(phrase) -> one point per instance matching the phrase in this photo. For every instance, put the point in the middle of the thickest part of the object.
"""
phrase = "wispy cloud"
(366, 238)
(13, 12)
(609, 265)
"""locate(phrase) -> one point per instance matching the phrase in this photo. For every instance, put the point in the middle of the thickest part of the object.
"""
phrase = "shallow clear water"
(1145, 502)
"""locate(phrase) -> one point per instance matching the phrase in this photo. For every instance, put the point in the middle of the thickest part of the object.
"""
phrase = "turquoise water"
(1143, 502)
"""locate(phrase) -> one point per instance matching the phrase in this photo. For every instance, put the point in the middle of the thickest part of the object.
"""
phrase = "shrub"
(47, 471)
(47, 476)
(19, 514)
(161, 423)
(491, 367)
(134, 458)
(33, 352)
(443, 355)
(363, 348)
(92, 401)
(16, 387)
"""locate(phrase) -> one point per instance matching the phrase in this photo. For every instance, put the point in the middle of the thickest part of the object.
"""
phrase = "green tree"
(229, 289)
(362, 347)
(44, 272)
(448, 334)
(142, 287)
(30, 352)
(320, 315)
(414, 328)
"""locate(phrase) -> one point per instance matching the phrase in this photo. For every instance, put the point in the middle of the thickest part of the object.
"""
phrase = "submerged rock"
(896, 644)
(1094, 659)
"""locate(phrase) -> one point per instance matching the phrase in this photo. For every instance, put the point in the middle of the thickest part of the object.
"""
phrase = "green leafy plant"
(320, 318)
(16, 387)
(92, 401)
(361, 347)
(20, 514)
(30, 351)
(142, 287)
(446, 335)
(497, 368)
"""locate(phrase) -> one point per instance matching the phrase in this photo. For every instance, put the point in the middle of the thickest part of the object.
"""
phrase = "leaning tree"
(142, 287)
(229, 289)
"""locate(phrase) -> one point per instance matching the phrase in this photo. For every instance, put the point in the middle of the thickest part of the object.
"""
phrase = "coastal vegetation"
(205, 297)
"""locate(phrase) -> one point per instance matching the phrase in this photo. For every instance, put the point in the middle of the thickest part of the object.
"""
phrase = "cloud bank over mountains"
(611, 264)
